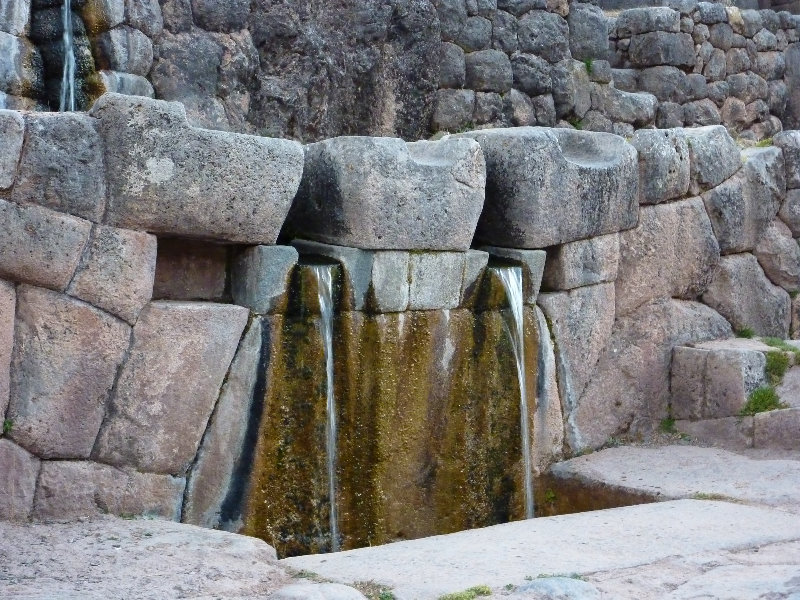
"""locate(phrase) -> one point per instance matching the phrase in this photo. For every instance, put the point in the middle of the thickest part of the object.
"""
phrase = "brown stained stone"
(212, 476)
(778, 429)
(74, 489)
(8, 299)
(66, 355)
(548, 420)
(19, 469)
(169, 385)
(190, 270)
(40, 246)
(117, 272)
(12, 129)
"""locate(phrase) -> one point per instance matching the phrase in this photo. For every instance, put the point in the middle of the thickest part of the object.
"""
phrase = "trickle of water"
(511, 277)
(324, 275)
(67, 99)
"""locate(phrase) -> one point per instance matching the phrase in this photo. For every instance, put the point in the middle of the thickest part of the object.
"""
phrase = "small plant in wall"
(8, 425)
(761, 400)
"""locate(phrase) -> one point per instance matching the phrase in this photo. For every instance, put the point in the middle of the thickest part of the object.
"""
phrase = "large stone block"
(588, 33)
(779, 255)
(488, 71)
(581, 263)
(384, 193)
(548, 420)
(12, 130)
(21, 68)
(213, 16)
(616, 105)
(789, 142)
(629, 390)
(168, 387)
(75, 489)
(544, 34)
(260, 278)
(40, 246)
(742, 207)
(191, 270)
(551, 186)
(125, 83)
(743, 295)
(15, 16)
(713, 154)
(117, 271)
(167, 177)
(671, 254)
(711, 383)
(643, 20)
(102, 15)
(66, 357)
(777, 429)
(214, 472)
(532, 263)
(62, 165)
(20, 469)
(790, 211)
(663, 165)
(145, 15)
(125, 49)
(661, 48)
(8, 301)
(435, 280)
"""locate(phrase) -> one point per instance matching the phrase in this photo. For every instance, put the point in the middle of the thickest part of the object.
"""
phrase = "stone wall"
(120, 399)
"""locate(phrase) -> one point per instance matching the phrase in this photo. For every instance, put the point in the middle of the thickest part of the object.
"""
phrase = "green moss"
(745, 332)
(575, 122)
(776, 367)
(761, 400)
(667, 425)
(764, 143)
(588, 62)
(469, 594)
(8, 425)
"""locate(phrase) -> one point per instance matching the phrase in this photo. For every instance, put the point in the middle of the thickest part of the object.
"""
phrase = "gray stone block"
(40, 246)
(70, 490)
(15, 16)
(544, 34)
(663, 165)
(12, 132)
(747, 87)
(167, 177)
(8, 301)
(662, 48)
(475, 262)
(701, 113)
(504, 32)
(588, 33)
(21, 68)
(582, 263)
(125, 49)
(476, 34)
(635, 108)
(65, 360)
(742, 294)
(779, 256)
(215, 16)
(116, 272)
(384, 193)
(260, 278)
(646, 19)
(20, 470)
(488, 108)
(488, 71)
(777, 429)
(544, 186)
(435, 280)
(454, 110)
(731, 433)
(102, 15)
(789, 143)
(144, 15)
(532, 263)
(519, 109)
(452, 66)
(125, 83)
(790, 212)
(710, 13)
(713, 157)
(532, 74)
(389, 289)
(61, 166)
(167, 389)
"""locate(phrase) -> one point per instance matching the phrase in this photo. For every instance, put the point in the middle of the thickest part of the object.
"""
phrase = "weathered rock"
(435, 280)
(191, 270)
(713, 383)
(532, 74)
(125, 49)
(488, 71)
(167, 177)
(548, 420)
(532, 263)
(117, 272)
(544, 34)
(779, 256)
(597, 121)
(454, 110)
(643, 20)
(790, 211)
(102, 15)
(742, 207)
(125, 83)
(66, 356)
(260, 278)
(519, 109)
(661, 48)
(581, 263)
(671, 254)
(168, 387)
(488, 108)
(452, 70)
(213, 475)
(383, 193)
(663, 165)
(317, 591)
(12, 129)
(629, 390)
(733, 433)
(701, 113)
(145, 15)
(20, 469)
(62, 165)
(532, 172)
(476, 34)
(747, 87)
(504, 31)
(8, 300)
(581, 322)
(21, 67)
(668, 84)
(789, 142)
(555, 588)
(588, 34)
(616, 105)
(669, 116)
(40, 246)
(75, 489)
(777, 429)
(743, 295)
(475, 262)
(213, 16)
(736, 61)
(15, 17)
(713, 157)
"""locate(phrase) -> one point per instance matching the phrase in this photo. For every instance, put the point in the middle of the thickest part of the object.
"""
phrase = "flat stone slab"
(672, 472)
(584, 543)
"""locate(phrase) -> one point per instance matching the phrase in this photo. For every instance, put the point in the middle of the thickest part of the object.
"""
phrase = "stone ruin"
(161, 349)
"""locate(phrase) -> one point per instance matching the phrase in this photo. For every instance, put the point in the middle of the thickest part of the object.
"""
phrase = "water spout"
(511, 278)
(324, 277)
(67, 98)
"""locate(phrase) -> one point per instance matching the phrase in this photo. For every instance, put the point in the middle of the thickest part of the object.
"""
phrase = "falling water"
(324, 277)
(67, 98)
(511, 277)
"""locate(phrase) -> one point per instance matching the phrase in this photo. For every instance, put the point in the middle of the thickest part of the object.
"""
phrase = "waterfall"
(67, 98)
(324, 277)
(511, 277)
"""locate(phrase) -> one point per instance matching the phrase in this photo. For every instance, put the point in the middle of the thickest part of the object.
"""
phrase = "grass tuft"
(777, 365)
(745, 332)
(667, 425)
(469, 594)
(764, 143)
(8, 425)
(761, 400)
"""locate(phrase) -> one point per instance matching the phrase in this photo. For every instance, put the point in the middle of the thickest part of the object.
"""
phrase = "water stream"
(67, 98)
(324, 275)
(511, 277)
